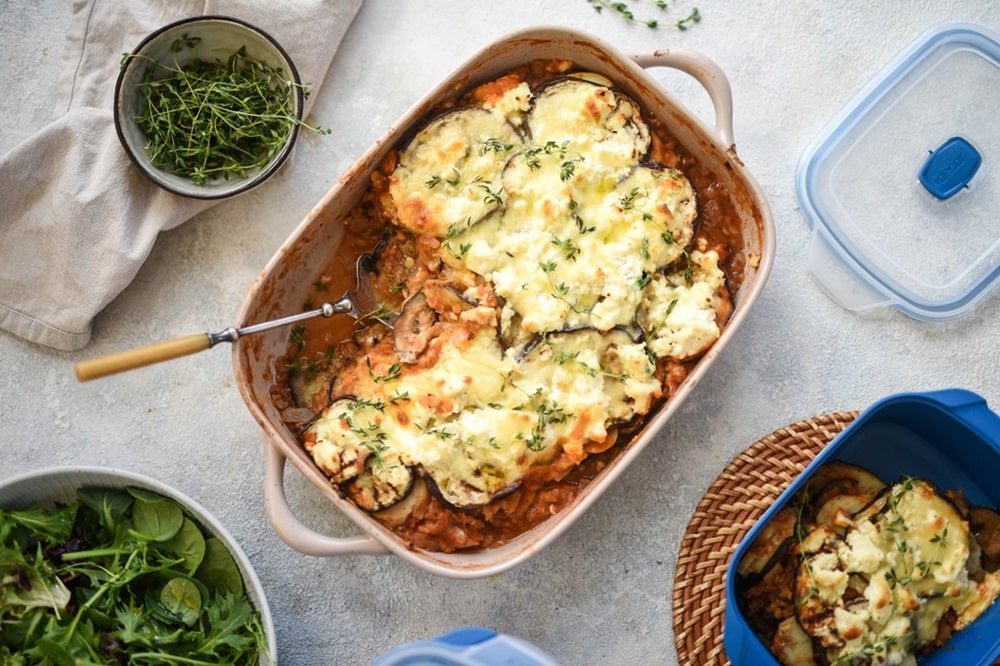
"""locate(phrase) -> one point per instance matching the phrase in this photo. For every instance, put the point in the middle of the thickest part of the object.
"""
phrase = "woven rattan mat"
(744, 490)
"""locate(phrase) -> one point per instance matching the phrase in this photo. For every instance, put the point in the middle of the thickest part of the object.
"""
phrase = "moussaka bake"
(857, 571)
(550, 263)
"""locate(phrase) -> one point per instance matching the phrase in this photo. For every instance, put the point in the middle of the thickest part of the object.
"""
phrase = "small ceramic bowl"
(58, 485)
(218, 38)
(950, 438)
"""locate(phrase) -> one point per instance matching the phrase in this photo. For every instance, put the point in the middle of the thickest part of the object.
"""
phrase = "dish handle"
(708, 74)
(291, 530)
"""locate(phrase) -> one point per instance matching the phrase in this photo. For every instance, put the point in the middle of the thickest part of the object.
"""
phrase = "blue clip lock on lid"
(950, 168)
(901, 187)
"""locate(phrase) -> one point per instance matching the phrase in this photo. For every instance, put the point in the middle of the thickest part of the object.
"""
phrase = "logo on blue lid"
(950, 168)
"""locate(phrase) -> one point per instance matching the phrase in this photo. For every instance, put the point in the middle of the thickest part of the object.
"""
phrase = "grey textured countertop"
(602, 592)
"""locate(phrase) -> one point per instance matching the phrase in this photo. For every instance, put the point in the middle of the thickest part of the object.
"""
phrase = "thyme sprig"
(622, 9)
(311, 367)
(394, 372)
(215, 119)
(573, 358)
(549, 413)
(561, 291)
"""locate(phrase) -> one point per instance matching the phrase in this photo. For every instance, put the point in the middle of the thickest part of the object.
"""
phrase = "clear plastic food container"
(901, 186)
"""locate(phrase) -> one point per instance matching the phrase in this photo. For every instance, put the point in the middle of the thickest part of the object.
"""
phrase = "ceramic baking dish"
(288, 276)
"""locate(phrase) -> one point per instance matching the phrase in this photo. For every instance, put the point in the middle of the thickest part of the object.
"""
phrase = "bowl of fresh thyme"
(208, 107)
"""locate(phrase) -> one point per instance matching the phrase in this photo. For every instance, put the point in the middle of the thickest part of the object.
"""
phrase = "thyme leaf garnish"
(622, 9)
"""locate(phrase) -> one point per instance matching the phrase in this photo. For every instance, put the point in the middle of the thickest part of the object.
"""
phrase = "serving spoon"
(359, 302)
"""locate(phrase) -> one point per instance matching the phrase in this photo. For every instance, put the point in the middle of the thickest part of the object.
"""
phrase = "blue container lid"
(901, 187)
(467, 646)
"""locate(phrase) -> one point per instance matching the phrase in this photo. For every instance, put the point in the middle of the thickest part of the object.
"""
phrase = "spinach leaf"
(188, 544)
(218, 570)
(157, 520)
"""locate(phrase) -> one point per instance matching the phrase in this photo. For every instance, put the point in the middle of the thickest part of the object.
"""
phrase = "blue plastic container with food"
(884, 549)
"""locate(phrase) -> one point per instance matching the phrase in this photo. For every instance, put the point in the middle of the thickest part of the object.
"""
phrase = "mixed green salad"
(120, 576)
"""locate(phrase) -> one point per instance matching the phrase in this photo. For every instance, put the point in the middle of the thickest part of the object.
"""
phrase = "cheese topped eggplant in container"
(885, 550)
(560, 250)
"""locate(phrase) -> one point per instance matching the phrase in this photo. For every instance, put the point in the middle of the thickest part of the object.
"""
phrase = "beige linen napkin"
(77, 220)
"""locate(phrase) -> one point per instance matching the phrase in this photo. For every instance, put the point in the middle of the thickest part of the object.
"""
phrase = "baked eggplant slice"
(449, 174)
(820, 583)
(985, 525)
(414, 501)
(597, 377)
(466, 494)
(760, 554)
(837, 478)
(792, 645)
(411, 334)
(659, 206)
(382, 484)
(344, 436)
(436, 301)
(603, 125)
(536, 182)
(837, 512)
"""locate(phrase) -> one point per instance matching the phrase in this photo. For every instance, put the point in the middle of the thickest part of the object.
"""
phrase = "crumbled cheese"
(514, 103)
(829, 579)
(863, 550)
(680, 315)
(911, 547)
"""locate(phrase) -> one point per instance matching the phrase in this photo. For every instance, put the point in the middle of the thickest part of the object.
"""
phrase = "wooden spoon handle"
(137, 358)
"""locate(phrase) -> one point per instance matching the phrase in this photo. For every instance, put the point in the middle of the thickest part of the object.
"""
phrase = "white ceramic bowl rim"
(178, 184)
(59, 484)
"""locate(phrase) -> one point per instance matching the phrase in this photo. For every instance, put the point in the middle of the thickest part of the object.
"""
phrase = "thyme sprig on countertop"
(215, 119)
(622, 9)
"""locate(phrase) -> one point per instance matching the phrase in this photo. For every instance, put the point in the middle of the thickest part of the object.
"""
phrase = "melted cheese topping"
(478, 418)
(602, 130)
(451, 172)
(887, 584)
(547, 200)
